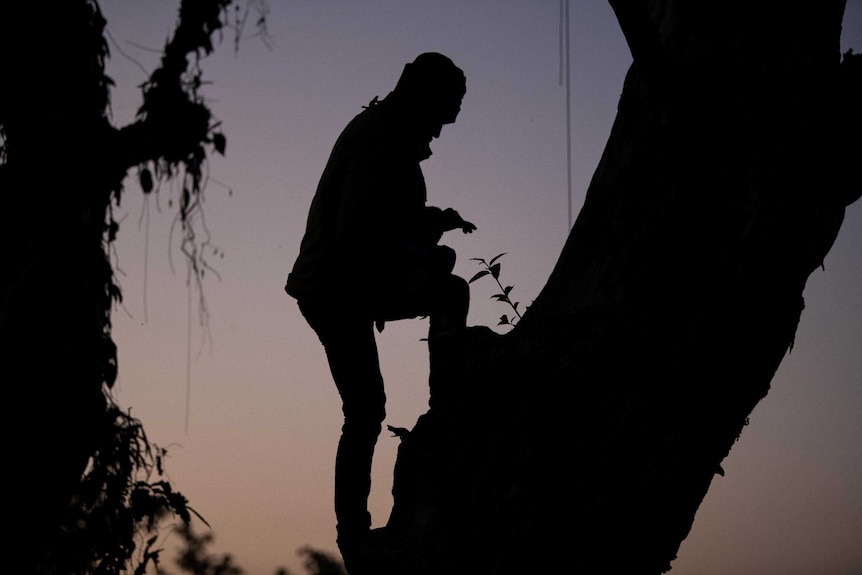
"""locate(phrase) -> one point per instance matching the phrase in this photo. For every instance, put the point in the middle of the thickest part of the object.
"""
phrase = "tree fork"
(587, 437)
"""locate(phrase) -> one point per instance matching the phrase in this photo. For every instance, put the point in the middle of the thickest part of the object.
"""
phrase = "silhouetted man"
(370, 254)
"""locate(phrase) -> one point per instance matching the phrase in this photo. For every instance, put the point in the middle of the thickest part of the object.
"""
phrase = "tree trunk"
(587, 437)
(62, 164)
(55, 302)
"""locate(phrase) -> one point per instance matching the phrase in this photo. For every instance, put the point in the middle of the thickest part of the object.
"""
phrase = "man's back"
(367, 207)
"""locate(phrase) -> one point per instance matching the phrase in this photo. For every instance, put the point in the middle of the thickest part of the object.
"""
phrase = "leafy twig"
(492, 268)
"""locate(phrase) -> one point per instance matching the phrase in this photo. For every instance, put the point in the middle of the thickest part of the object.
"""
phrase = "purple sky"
(254, 445)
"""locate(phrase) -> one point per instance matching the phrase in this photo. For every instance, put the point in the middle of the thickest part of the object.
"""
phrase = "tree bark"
(587, 437)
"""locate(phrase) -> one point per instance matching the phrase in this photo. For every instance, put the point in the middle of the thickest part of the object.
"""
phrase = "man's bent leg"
(448, 326)
(449, 306)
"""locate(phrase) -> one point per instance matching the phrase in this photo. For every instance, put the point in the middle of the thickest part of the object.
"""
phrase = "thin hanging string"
(146, 253)
(561, 37)
(189, 349)
(564, 77)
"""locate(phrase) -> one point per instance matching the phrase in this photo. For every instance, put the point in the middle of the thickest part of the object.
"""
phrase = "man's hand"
(467, 227)
(453, 221)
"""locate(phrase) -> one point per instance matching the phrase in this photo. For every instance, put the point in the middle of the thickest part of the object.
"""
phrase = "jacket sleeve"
(436, 221)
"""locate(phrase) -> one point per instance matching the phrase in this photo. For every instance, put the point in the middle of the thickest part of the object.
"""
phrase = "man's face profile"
(447, 112)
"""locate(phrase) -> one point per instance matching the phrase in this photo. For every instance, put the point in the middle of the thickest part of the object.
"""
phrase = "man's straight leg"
(351, 350)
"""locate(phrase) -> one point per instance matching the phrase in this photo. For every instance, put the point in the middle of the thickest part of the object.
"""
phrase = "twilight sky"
(247, 407)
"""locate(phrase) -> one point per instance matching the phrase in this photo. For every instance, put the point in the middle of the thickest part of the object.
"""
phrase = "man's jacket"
(368, 218)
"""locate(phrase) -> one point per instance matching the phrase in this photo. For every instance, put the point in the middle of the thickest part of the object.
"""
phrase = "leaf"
(146, 179)
(495, 258)
(504, 320)
(507, 289)
(499, 297)
(220, 142)
(495, 270)
(482, 273)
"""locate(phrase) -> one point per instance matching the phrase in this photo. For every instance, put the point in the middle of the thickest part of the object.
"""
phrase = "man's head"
(433, 86)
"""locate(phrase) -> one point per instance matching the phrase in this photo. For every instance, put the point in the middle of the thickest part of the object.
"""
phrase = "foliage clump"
(112, 523)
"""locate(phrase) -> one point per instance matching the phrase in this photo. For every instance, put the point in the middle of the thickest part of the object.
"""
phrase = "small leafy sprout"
(492, 268)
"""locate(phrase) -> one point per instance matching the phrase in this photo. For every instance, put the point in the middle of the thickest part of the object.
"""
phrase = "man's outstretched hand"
(467, 227)
(454, 221)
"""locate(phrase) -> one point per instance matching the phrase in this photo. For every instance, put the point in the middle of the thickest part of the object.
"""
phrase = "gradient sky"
(252, 421)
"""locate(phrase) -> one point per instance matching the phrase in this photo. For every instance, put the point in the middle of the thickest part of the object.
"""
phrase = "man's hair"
(431, 78)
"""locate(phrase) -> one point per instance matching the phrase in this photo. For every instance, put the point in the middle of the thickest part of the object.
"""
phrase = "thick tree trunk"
(587, 437)
(55, 272)
(62, 166)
